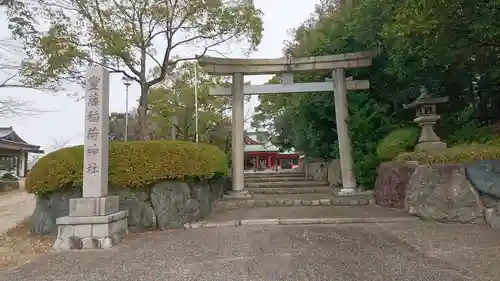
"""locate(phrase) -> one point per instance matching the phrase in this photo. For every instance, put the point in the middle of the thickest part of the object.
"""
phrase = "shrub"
(8, 177)
(398, 141)
(462, 127)
(131, 165)
(368, 124)
(457, 154)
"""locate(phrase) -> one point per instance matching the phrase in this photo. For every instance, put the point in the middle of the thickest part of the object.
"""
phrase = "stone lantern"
(426, 118)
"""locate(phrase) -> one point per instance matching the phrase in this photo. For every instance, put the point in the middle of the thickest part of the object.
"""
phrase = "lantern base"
(430, 146)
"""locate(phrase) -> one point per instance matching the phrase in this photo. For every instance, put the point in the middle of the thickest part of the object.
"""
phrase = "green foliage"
(307, 132)
(128, 37)
(368, 124)
(458, 154)
(465, 129)
(133, 164)
(451, 47)
(175, 100)
(398, 141)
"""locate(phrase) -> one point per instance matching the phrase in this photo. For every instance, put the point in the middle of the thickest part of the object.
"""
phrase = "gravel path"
(15, 206)
(418, 251)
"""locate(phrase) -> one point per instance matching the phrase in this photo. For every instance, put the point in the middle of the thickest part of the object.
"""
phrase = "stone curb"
(359, 193)
(343, 201)
(287, 190)
(289, 184)
(302, 221)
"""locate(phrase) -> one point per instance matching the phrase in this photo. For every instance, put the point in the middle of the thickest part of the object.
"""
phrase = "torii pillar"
(344, 141)
(237, 138)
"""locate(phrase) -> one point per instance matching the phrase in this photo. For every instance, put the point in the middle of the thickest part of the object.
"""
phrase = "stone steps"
(275, 175)
(327, 200)
(277, 179)
(279, 184)
(289, 190)
(293, 196)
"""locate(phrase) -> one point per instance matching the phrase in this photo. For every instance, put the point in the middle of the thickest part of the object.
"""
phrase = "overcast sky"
(64, 119)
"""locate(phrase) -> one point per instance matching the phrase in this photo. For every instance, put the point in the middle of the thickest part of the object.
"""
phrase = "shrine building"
(14, 152)
(261, 154)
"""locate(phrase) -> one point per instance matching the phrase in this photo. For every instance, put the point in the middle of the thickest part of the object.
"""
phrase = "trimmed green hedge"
(457, 154)
(398, 141)
(133, 164)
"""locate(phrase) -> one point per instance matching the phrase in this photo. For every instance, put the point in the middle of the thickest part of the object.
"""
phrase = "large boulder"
(392, 182)
(485, 176)
(492, 217)
(443, 193)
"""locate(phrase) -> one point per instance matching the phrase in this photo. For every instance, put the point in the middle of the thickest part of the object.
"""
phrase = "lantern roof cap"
(425, 99)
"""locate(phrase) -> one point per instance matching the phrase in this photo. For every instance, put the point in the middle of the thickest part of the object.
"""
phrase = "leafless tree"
(10, 77)
(59, 143)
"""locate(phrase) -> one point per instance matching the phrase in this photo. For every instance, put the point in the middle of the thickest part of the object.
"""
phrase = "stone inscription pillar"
(95, 143)
(238, 138)
(94, 221)
(341, 116)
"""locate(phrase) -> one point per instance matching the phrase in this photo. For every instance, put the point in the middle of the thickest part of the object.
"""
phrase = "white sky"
(63, 118)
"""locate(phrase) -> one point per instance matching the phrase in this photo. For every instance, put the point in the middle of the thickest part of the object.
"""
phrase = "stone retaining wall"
(165, 205)
(457, 193)
(322, 171)
(6, 186)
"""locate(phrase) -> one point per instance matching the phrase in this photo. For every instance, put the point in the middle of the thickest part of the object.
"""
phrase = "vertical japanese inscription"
(92, 117)
(95, 169)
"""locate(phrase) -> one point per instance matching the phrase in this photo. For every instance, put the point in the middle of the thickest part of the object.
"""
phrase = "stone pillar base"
(430, 146)
(93, 223)
(346, 191)
(237, 194)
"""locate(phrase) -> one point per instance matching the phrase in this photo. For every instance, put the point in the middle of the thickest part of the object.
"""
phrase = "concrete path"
(305, 212)
(15, 206)
(417, 251)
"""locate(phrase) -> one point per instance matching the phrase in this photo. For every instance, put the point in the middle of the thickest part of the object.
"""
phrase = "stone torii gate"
(237, 68)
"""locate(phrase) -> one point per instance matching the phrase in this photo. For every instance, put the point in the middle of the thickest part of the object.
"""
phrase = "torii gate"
(237, 68)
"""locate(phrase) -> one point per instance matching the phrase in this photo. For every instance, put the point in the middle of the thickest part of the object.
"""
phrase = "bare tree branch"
(10, 108)
(58, 144)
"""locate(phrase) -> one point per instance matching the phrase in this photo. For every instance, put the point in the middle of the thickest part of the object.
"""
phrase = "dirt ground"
(18, 246)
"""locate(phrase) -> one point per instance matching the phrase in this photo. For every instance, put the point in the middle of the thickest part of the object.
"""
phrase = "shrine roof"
(260, 141)
(261, 148)
(10, 140)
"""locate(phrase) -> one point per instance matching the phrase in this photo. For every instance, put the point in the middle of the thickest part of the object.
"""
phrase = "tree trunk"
(142, 130)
